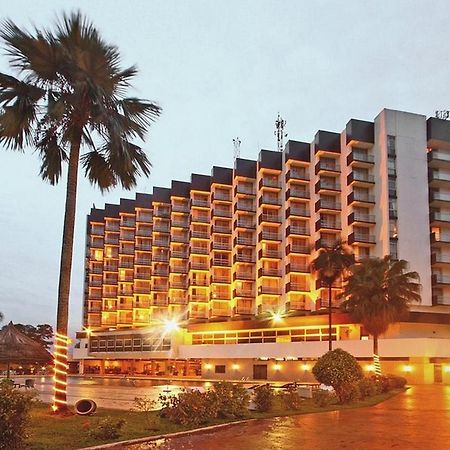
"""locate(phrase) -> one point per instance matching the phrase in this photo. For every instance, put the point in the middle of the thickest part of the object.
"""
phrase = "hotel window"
(219, 369)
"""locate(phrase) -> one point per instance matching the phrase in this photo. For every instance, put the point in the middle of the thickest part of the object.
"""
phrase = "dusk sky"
(219, 70)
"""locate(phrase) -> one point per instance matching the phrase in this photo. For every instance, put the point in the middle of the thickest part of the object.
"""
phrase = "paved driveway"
(417, 419)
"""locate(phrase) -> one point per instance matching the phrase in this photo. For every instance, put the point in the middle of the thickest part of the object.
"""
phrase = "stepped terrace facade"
(224, 253)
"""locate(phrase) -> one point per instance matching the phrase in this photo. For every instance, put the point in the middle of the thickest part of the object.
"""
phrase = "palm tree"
(330, 264)
(70, 104)
(377, 293)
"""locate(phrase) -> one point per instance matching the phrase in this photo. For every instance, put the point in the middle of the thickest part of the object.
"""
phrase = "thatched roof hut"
(16, 347)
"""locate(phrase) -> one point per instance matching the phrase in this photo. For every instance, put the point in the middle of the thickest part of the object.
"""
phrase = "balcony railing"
(220, 279)
(269, 290)
(179, 269)
(178, 254)
(146, 232)
(199, 250)
(244, 190)
(180, 208)
(268, 272)
(269, 182)
(270, 217)
(221, 229)
(161, 257)
(327, 166)
(143, 275)
(221, 262)
(222, 212)
(199, 282)
(221, 245)
(159, 287)
(200, 202)
(270, 236)
(180, 223)
(199, 265)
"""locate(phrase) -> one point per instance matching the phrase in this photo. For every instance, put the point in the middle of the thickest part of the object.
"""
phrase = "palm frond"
(52, 155)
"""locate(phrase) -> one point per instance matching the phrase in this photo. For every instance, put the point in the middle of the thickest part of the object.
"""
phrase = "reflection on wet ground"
(417, 419)
(113, 393)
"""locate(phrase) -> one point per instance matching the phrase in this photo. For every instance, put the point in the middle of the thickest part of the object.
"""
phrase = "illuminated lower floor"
(255, 350)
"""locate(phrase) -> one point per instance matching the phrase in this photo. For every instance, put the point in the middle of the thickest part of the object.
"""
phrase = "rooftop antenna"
(237, 148)
(279, 132)
(442, 114)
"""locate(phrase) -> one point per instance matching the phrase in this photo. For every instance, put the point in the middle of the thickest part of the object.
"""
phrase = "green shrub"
(323, 398)
(396, 382)
(348, 393)
(191, 407)
(291, 399)
(367, 387)
(337, 368)
(263, 398)
(231, 399)
(107, 428)
(382, 383)
(14, 415)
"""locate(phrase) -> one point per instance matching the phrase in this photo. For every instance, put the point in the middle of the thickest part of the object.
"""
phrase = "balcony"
(179, 269)
(360, 158)
(221, 196)
(437, 279)
(242, 223)
(199, 234)
(243, 275)
(243, 310)
(176, 207)
(159, 302)
(323, 224)
(198, 282)
(130, 223)
(269, 236)
(95, 282)
(142, 290)
(438, 179)
(144, 247)
(159, 287)
(439, 199)
(239, 257)
(360, 179)
(297, 287)
(327, 205)
(180, 239)
(96, 269)
(297, 248)
(178, 300)
(440, 238)
(327, 166)
(221, 246)
(161, 228)
(160, 272)
(126, 264)
(269, 272)
(357, 197)
(179, 254)
(325, 186)
(178, 284)
(273, 254)
(297, 193)
(221, 229)
(269, 200)
(271, 290)
(111, 239)
(269, 183)
(98, 295)
(248, 241)
(224, 279)
(221, 262)
(440, 259)
(195, 265)
(161, 257)
(144, 217)
(357, 217)
(297, 211)
(200, 219)
(127, 250)
(247, 206)
(324, 243)
(109, 269)
(249, 293)
(361, 238)
(438, 159)
(240, 189)
(143, 275)
(165, 213)
(180, 223)
(97, 243)
(220, 296)
(297, 268)
(297, 230)
(438, 217)
(217, 212)
(112, 226)
(200, 203)
(199, 250)
(297, 174)
(199, 298)
(270, 218)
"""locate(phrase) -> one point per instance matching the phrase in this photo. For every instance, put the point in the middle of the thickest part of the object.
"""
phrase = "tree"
(377, 293)
(43, 334)
(330, 264)
(70, 104)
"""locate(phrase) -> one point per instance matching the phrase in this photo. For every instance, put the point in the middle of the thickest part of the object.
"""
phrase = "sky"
(219, 69)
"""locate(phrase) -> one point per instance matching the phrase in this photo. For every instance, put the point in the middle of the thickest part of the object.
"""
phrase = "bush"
(14, 415)
(263, 398)
(231, 400)
(191, 408)
(291, 399)
(348, 393)
(367, 387)
(323, 398)
(107, 428)
(382, 383)
(337, 368)
(396, 382)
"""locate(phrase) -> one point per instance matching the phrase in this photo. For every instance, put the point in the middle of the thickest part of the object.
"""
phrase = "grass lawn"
(48, 432)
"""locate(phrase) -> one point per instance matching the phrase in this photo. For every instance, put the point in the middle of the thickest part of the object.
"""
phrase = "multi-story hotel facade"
(226, 258)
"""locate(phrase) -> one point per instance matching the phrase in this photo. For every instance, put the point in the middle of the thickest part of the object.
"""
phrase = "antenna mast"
(237, 148)
(279, 132)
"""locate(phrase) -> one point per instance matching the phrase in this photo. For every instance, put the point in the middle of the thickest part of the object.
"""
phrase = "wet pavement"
(416, 419)
(112, 393)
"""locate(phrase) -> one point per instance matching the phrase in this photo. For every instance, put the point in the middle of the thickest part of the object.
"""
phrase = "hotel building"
(226, 254)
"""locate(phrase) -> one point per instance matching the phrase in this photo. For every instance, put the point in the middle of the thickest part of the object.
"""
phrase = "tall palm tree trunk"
(330, 342)
(62, 319)
(376, 357)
